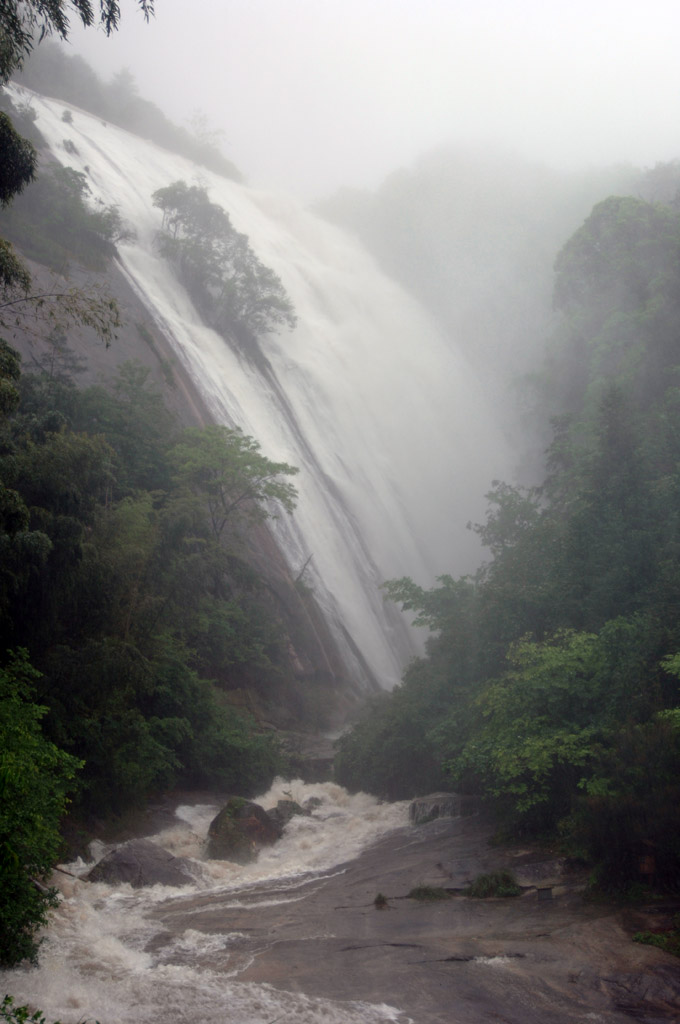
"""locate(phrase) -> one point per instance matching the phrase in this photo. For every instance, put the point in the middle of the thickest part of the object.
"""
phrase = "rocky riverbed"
(545, 956)
(295, 936)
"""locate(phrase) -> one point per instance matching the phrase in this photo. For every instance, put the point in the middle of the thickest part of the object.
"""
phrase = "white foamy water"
(349, 822)
(391, 431)
(106, 955)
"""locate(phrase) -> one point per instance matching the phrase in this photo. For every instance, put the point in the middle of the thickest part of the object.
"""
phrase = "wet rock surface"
(284, 811)
(440, 805)
(239, 830)
(141, 862)
(525, 960)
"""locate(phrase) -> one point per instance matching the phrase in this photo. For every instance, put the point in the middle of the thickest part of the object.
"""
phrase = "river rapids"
(119, 956)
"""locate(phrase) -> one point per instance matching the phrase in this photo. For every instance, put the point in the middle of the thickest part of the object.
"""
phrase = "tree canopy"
(228, 470)
(231, 286)
(35, 780)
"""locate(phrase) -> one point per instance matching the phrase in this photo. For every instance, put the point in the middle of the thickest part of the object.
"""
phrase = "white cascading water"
(395, 443)
(108, 955)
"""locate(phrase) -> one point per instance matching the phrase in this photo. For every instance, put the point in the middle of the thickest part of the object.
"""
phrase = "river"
(110, 954)
(296, 937)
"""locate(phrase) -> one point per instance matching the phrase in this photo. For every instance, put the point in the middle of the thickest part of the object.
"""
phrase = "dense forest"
(550, 682)
(128, 605)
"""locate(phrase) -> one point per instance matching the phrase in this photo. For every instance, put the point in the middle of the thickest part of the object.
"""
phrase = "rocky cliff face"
(315, 671)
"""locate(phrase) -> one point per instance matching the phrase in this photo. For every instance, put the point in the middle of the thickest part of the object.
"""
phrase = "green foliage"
(496, 883)
(133, 605)
(541, 724)
(35, 779)
(12, 1014)
(226, 470)
(15, 279)
(630, 810)
(17, 167)
(56, 222)
(137, 425)
(387, 752)
(9, 375)
(616, 288)
(215, 262)
(668, 941)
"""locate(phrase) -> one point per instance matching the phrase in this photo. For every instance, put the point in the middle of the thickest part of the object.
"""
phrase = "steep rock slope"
(384, 418)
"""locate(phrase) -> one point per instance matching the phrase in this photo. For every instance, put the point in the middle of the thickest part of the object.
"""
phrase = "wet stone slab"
(527, 960)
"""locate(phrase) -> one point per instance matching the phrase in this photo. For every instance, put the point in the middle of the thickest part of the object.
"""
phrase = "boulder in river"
(239, 831)
(141, 862)
(285, 810)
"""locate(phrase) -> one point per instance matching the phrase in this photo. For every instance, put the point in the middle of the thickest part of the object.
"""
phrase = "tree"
(227, 470)
(17, 166)
(540, 723)
(616, 289)
(9, 376)
(220, 270)
(35, 779)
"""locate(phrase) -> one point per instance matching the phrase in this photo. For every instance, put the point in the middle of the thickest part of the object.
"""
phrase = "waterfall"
(385, 419)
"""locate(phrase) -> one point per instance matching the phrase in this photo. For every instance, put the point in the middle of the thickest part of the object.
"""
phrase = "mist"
(313, 96)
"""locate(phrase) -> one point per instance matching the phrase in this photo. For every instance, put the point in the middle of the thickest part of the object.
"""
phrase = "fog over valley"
(312, 96)
(462, 142)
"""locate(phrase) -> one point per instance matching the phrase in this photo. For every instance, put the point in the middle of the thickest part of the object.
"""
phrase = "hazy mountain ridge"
(474, 234)
(53, 72)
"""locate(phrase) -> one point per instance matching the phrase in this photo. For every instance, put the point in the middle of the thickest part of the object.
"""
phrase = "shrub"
(668, 941)
(496, 883)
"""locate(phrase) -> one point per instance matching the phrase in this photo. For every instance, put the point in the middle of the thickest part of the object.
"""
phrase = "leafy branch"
(92, 307)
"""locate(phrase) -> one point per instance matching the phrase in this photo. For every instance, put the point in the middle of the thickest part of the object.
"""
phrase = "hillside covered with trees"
(131, 610)
(129, 603)
(550, 683)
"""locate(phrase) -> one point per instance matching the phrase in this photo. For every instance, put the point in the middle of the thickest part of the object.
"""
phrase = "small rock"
(284, 811)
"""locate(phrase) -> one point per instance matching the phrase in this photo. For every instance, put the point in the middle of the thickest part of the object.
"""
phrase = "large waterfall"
(385, 419)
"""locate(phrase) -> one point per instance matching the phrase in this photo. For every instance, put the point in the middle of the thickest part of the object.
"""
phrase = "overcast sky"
(315, 94)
